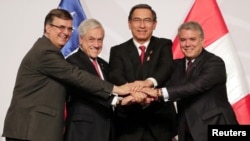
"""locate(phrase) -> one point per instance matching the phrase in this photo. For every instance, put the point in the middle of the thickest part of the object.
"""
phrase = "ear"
(154, 26)
(48, 28)
(129, 24)
(80, 40)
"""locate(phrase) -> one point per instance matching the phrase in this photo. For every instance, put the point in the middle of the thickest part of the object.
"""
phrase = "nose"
(67, 31)
(142, 24)
(187, 43)
(97, 43)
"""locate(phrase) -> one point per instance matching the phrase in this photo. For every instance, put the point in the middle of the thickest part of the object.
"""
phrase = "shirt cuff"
(154, 81)
(115, 99)
(165, 94)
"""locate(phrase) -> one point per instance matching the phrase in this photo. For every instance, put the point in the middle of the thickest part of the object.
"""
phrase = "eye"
(147, 20)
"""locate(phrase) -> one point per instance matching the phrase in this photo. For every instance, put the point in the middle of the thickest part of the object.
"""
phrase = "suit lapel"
(102, 67)
(198, 61)
(86, 63)
(146, 67)
(134, 58)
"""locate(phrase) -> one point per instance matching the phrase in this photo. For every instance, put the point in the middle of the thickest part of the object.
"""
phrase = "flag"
(218, 41)
(75, 8)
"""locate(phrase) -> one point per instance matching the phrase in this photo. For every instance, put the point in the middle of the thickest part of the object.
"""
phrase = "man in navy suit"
(153, 121)
(89, 118)
(201, 92)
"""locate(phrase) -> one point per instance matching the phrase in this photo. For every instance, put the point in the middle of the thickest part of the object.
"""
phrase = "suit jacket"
(158, 117)
(36, 110)
(201, 95)
(89, 117)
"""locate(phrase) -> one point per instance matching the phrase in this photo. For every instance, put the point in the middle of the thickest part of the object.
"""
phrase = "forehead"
(61, 21)
(95, 31)
(188, 33)
(142, 12)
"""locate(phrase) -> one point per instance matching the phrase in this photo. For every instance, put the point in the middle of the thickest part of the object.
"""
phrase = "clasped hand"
(140, 92)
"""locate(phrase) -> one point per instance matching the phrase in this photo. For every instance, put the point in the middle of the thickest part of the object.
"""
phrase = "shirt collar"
(137, 44)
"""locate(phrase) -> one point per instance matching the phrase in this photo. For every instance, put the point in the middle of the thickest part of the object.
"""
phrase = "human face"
(142, 25)
(59, 31)
(191, 43)
(91, 43)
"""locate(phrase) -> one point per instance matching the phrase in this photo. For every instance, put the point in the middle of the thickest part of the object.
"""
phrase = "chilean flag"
(76, 10)
(218, 41)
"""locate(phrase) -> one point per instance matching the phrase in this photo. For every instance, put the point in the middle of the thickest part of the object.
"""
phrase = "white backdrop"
(22, 23)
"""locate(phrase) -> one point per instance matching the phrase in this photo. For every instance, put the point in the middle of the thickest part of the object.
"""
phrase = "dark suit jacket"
(158, 117)
(201, 96)
(36, 110)
(89, 117)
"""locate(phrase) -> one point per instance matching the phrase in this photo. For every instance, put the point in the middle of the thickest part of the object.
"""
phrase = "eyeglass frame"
(62, 28)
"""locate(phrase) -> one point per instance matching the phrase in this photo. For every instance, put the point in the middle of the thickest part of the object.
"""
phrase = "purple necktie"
(189, 64)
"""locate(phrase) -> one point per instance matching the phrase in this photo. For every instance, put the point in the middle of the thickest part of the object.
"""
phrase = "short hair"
(142, 6)
(59, 13)
(192, 25)
(88, 24)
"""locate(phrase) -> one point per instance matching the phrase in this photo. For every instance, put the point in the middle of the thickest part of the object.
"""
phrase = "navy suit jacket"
(125, 66)
(201, 95)
(89, 117)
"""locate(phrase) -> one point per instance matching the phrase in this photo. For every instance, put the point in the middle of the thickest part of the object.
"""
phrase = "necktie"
(189, 64)
(142, 48)
(96, 68)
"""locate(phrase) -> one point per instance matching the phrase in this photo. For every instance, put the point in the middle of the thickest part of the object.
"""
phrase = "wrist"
(159, 92)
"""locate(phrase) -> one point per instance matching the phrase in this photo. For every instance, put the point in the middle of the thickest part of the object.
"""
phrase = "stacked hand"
(137, 92)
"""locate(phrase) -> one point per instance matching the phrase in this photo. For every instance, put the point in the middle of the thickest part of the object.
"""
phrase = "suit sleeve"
(164, 66)
(208, 74)
(116, 74)
(54, 65)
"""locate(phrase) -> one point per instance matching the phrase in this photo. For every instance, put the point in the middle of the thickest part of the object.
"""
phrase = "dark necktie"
(142, 48)
(96, 68)
(189, 64)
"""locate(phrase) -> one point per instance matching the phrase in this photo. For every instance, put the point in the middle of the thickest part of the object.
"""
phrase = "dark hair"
(59, 13)
(142, 6)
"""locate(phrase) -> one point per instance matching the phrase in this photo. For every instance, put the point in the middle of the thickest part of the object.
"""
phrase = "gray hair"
(192, 25)
(87, 25)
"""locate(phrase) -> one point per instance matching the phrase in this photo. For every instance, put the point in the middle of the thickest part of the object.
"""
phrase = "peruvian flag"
(218, 41)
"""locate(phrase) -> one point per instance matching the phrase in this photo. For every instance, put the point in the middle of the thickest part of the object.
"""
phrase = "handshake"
(137, 92)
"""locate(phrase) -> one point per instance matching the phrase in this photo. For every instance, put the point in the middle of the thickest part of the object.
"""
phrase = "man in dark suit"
(153, 121)
(200, 89)
(89, 117)
(36, 110)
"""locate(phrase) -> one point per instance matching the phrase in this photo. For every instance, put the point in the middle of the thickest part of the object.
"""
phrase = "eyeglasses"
(139, 21)
(62, 28)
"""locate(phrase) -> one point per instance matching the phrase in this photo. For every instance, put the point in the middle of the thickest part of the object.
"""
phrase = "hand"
(138, 85)
(128, 100)
(138, 96)
(153, 93)
(147, 101)
(122, 90)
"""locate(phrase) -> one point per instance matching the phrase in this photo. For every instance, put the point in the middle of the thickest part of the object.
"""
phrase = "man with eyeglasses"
(151, 120)
(36, 112)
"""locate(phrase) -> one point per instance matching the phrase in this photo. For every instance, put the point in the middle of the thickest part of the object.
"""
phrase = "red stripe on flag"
(206, 13)
(242, 110)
